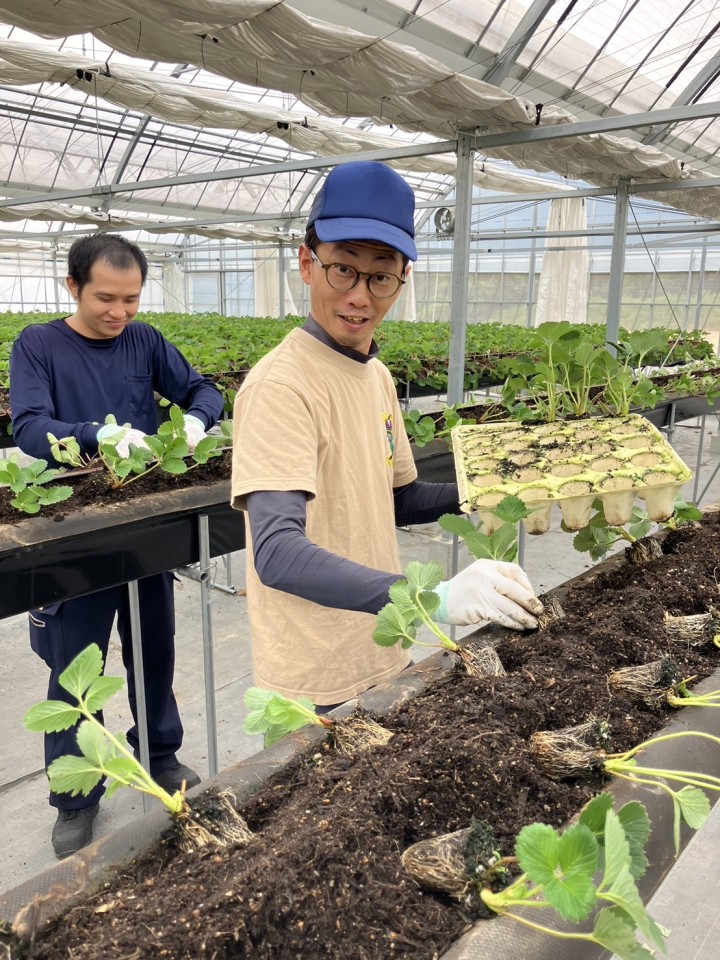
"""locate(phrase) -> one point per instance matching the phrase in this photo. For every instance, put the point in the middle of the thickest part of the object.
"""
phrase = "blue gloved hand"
(489, 590)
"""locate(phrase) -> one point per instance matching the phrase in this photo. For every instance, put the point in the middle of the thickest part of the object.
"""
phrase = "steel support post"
(208, 653)
(698, 461)
(531, 270)
(281, 281)
(459, 285)
(460, 268)
(701, 283)
(617, 266)
(139, 674)
(521, 545)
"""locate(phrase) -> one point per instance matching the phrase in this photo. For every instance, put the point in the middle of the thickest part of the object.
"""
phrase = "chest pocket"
(140, 395)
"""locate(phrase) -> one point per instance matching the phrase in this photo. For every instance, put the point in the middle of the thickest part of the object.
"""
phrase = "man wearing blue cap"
(323, 466)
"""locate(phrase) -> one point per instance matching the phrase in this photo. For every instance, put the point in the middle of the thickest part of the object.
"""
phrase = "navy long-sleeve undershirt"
(287, 560)
(65, 384)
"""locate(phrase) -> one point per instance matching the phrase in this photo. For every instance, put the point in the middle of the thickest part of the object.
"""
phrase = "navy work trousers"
(59, 631)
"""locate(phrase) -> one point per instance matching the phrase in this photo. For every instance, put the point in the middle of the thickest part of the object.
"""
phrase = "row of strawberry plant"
(35, 485)
(223, 347)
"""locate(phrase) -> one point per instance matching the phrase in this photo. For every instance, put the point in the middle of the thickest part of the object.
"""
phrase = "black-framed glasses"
(340, 276)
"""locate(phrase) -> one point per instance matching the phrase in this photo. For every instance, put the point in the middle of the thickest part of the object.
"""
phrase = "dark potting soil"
(322, 878)
(94, 490)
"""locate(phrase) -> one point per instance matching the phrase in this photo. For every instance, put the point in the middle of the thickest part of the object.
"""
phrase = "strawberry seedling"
(275, 716)
(105, 755)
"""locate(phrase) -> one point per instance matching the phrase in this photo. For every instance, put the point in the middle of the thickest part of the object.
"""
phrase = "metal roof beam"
(697, 86)
(234, 173)
(519, 39)
(582, 128)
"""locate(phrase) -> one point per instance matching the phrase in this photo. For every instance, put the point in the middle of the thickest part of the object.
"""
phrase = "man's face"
(349, 316)
(108, 301)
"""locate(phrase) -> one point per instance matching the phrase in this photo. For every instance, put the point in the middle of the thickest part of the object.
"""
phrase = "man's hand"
(121, 437)
(194, 431)
(489, 590)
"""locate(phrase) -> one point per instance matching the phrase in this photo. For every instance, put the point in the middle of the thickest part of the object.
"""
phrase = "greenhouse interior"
(549, 365)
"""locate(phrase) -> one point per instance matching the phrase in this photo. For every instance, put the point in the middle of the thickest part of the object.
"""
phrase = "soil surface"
(322, 878)
(92, 489)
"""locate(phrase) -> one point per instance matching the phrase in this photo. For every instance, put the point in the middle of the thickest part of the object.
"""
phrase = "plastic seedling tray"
(570, 463)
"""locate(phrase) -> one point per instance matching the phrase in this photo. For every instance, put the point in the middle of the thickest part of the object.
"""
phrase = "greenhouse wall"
(660, 287)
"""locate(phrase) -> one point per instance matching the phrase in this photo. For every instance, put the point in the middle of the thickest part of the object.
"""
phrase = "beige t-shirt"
(309, 418)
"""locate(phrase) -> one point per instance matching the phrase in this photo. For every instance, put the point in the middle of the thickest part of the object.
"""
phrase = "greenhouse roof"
(219, 117)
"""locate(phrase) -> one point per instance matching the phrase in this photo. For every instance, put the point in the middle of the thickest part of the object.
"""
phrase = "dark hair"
(312, 240)
(111, 248)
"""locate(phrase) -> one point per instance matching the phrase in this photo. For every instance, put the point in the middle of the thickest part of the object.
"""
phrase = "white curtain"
(267, 292)
(563, 288)
(405, 307)
(173, 283)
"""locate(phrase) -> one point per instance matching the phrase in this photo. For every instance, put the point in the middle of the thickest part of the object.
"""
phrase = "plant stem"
(313, 717)
(137, 476)
(703, 781)
(147, 784)
(667, 736)
(431, 625)
(538, 926)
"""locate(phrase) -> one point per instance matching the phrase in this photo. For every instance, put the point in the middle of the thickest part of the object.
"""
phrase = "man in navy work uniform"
(330, 475)
(66, 376)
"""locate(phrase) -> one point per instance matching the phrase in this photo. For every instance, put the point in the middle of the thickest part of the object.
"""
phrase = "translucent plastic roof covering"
(97, 98)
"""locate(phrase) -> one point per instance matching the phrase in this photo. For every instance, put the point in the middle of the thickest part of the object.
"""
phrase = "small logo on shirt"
(388, 418)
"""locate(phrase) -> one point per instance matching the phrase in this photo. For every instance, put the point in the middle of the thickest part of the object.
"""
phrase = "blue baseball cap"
(366, 200)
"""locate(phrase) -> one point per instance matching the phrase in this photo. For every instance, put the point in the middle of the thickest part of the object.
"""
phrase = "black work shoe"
(171, 779)
(73, 830)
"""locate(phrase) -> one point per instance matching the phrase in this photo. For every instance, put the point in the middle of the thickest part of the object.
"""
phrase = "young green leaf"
(400, 594)
(624, 895)
(51, 716)
(686, 512)
(73, 775)
(615, 931)
(636, 824)
(424, 576)
(93, 744)
(563, 864)
(174, 466)
(504, 544)
(276, 716)
(100, 691)
(691, 806)
(511, 510)
(206, 449)
(394, 625)
(84, 669)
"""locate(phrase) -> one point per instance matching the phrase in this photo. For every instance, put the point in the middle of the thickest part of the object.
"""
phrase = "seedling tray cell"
(570, 463)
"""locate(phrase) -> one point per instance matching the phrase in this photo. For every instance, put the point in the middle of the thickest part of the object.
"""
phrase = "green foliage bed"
(224, 347)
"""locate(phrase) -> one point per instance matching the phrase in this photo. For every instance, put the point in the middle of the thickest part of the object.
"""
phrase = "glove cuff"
(442, 614)
(191, 420)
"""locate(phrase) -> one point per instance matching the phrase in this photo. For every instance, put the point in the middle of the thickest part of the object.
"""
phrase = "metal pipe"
(281, 281)
(208, 655)
(139, 675)
(617, 267)
(701, 441)
(460, 269)
(701, 283)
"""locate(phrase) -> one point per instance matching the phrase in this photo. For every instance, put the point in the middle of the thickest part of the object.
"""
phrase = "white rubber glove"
(489, 590)
(194, 431)
(121, 437)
